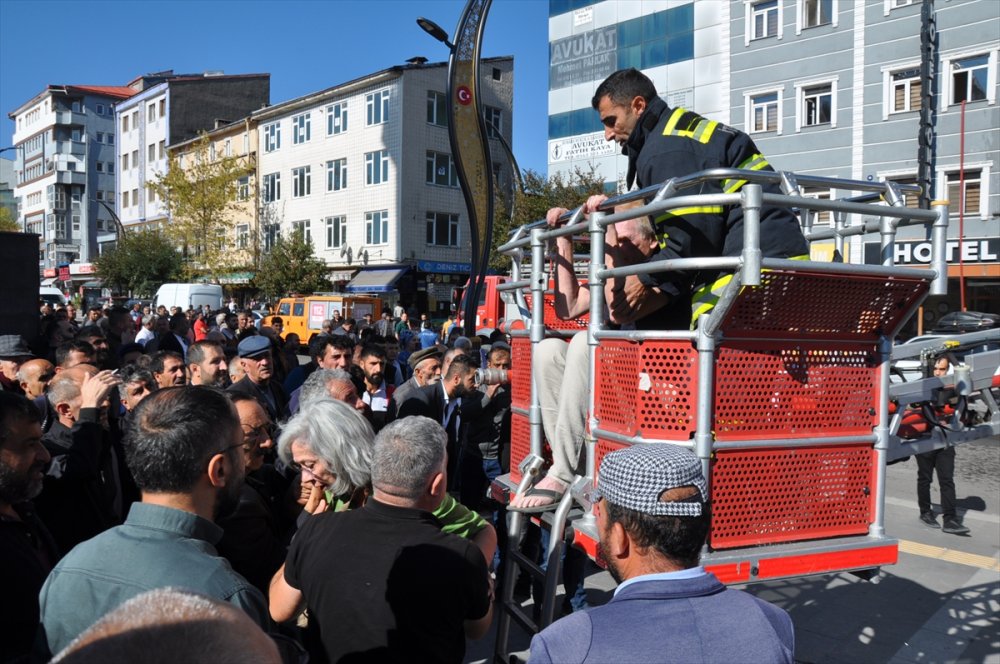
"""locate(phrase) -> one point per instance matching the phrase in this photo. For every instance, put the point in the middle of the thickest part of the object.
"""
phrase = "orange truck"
(304, 314)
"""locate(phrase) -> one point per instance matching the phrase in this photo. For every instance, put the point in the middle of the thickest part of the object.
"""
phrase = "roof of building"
(119, 91)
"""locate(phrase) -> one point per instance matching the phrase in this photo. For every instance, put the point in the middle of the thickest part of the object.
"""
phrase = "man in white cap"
(652, 520)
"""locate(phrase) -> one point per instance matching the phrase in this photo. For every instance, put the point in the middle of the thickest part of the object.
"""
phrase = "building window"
(99, 166)
(336, 232)
(111, 167)
(301, 181)
(243, 188)
(124, 199)
(151, 113)
(135, 196)
(272, 137)
(99, 137)
(124, 123)
(819, 216)
(242, 236)
(816, 104)
(228, 147)
(813, 13)
(437, 108)
(152, 152)
(377, 227)
(160, 148)
(336, 118)
(100, 109)
(150, 195)
(969, 78)
(965, 195)
(377, 167)
(272, 187)
(110, 139)
(904, 90)
(135, 159)
(125, 162)
(303, 228)
(163, 107)
(377, 107)
(764, 19)
(494, 122)
(442, 229)
(764, 112)
(497, 74)
(100, 195)
(441, 170)
(301, 128)
(336, 174)
(272, 233)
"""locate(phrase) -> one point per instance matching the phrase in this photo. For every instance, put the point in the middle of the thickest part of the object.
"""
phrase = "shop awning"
(49, 281)
(375, 281)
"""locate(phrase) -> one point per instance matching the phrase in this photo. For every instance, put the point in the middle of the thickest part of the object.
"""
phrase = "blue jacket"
(683, 620)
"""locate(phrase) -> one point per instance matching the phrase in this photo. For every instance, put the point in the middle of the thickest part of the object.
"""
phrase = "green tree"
(139, 263)
(202, 200)
(531, 204)
(291, 267)
(7, 221)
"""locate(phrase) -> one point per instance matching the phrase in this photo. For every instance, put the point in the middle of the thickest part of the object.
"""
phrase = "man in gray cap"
(652, 520)
(255, 356)
(426, 367)
(14, 352)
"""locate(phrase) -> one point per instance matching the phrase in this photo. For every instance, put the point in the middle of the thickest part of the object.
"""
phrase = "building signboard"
(918, 252)
(588, 56)
(585, 146)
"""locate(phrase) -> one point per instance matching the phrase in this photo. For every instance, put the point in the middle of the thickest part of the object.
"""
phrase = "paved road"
(940, 603)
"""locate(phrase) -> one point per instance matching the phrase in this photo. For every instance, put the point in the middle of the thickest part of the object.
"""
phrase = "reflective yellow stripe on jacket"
(700, 130)
(683, 212)
(753, 163)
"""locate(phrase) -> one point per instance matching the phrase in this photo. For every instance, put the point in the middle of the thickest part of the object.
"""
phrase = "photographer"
(485, 447)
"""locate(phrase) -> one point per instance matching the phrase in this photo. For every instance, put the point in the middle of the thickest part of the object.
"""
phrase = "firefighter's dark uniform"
(673, 142)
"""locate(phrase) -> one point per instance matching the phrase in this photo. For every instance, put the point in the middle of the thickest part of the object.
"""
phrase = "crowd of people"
(194, 451)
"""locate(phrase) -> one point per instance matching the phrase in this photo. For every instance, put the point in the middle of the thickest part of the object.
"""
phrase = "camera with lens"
(492, 377)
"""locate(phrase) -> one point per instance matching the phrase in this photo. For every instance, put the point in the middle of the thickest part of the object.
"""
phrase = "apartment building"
(168, 108)
(364, 169)
(833, 87)
(65, 172)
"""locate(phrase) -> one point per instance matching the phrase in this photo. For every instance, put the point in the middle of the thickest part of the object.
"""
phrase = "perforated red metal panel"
(807, 390)
(647, 387)
(553, 322)
(520, 443)
(603, 448)
(816, 305)
(520, 362)
(767, 496)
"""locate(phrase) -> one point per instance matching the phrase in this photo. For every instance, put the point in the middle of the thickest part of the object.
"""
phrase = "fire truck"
(782, 390)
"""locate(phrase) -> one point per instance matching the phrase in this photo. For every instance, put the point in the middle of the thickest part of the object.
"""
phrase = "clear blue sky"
(305, 46)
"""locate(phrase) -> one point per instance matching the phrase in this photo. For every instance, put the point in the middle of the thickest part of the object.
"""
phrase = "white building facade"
(364, 169)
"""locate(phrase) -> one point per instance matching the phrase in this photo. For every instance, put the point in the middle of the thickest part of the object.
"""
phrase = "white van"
(52, 295)
(188, 296)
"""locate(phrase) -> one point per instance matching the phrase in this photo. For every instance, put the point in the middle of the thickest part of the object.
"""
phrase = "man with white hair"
(417, 592)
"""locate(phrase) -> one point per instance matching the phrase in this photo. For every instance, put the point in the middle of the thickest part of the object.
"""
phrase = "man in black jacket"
(88, 487)
(255, 356)
(442, 402)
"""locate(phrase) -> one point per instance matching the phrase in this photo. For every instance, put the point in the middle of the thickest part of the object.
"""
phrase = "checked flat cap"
(636, 477)
(14, 345)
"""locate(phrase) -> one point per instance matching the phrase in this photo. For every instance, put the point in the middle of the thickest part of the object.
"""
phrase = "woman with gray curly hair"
(330, 444)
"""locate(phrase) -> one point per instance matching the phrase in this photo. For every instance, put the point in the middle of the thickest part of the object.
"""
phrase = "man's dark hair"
(95, 308)
(370, 350)
(461, 364)
(160, 358)
(116, 313)
(90, 332)
(15, 406)
(677, 538)
(177, 319)
(277, 319)
(351, 322)
(196, 351)
(64, 349)
(319, 343)
(496, 351)
(623, 86)
(173, 434)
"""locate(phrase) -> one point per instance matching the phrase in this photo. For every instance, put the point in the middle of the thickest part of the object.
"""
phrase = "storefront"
(973, 269)
(435, 286)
